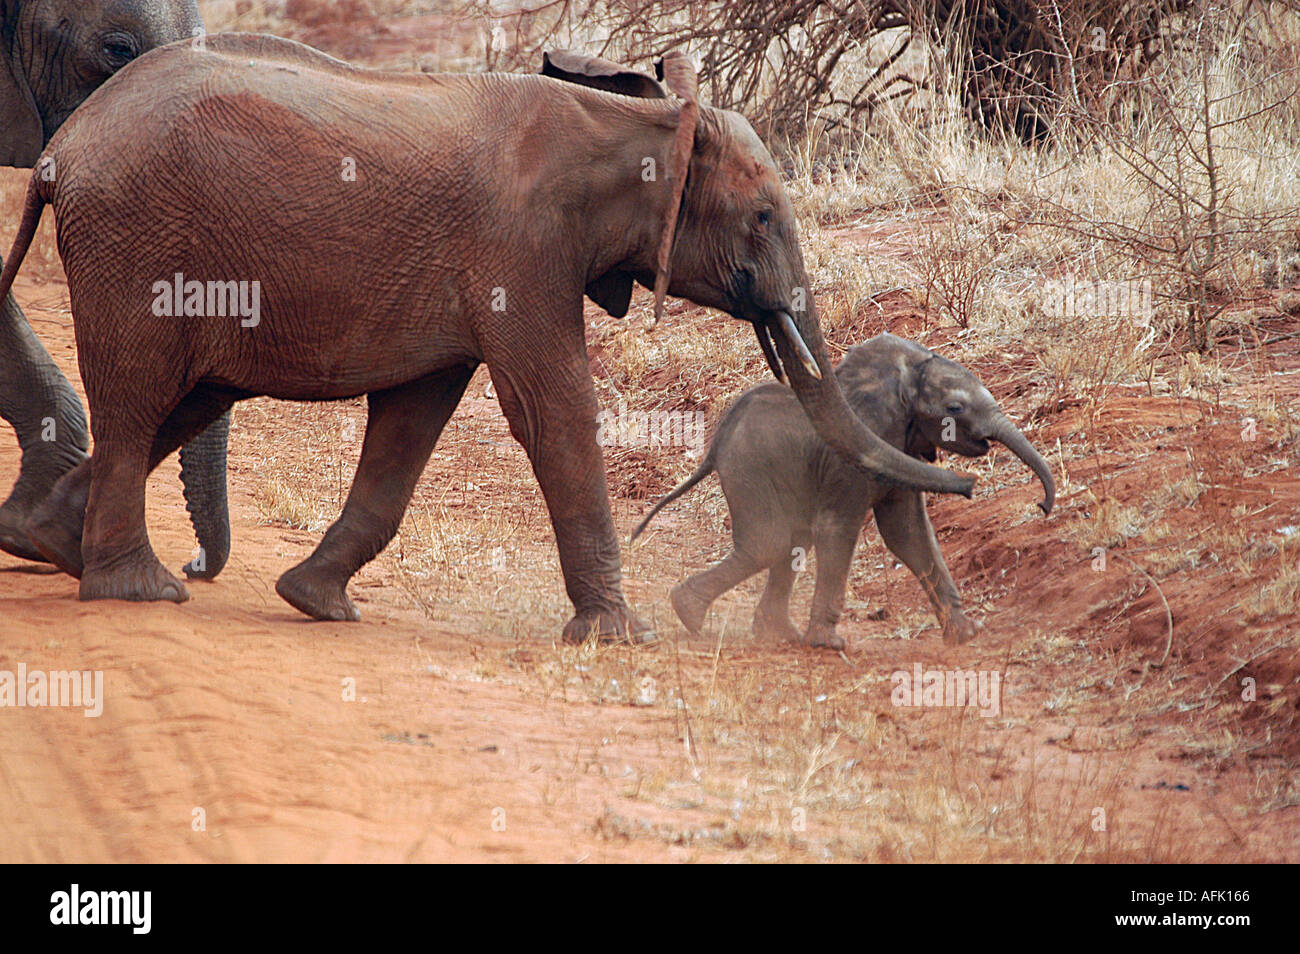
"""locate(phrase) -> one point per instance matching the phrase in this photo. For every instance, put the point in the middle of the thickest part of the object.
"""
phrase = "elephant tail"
(705, 468)
(36, 200)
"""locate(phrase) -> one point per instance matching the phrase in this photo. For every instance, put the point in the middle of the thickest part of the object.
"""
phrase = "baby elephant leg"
(772, 617)
(693, 597)
(835, 543)
(760, 540)
(905, 527)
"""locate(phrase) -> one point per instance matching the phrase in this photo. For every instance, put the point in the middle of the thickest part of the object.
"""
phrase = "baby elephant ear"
(21, 134)
(601, 74)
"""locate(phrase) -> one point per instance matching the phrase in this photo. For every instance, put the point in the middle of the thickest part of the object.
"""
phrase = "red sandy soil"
(232, 703)
(458, 747)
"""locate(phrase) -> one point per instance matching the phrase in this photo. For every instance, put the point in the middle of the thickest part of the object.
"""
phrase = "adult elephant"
(53, 54)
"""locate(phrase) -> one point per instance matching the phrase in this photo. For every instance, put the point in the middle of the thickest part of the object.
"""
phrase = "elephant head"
(55, 53)
(951, 409)
(728, 240)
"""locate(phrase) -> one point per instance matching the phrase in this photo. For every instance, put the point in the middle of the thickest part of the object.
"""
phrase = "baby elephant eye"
(765, 218)
(953, 409)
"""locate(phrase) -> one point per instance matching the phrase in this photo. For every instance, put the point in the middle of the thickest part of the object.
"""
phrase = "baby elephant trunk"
(1007, 434)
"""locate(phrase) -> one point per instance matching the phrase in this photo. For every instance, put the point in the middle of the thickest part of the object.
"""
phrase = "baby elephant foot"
(958, 629)
(690, 607)
(320, 595)
(776, 629)
(825, 637)
(616, 625)
(140, 579)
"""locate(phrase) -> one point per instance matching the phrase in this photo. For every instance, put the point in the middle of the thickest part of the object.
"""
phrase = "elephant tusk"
(797, 343)
(769, 351)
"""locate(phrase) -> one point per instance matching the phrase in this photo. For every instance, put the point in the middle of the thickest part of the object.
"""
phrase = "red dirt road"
(226, 735)
(451, 727)
(230, 709)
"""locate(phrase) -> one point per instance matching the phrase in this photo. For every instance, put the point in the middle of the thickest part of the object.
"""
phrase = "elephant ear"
(679, 76)
(600, 74)
(613, 290)
(23, 137)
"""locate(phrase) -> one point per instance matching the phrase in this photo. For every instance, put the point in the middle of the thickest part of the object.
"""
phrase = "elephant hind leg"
(403, 426)
(772, 616)
(44, 410)
(692, 598)
(56, 526)
(761, 536)
(118, 561)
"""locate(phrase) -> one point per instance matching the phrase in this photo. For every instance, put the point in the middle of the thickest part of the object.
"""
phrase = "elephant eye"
(119, 49)
(953, 409)
(765, 218)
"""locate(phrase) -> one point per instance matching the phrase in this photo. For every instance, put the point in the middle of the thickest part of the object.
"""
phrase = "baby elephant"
(788, 491)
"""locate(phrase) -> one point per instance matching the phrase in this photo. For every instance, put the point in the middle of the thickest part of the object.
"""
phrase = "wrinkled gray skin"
(53, 54)
(786, 489)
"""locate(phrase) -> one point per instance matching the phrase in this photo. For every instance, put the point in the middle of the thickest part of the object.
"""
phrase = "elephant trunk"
(203, 474)
(808, 368)
(1007, 434)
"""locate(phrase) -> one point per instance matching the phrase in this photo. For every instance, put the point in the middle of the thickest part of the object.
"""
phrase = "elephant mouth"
(781, 323)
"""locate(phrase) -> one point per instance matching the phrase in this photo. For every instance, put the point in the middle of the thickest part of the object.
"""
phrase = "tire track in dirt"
(233, 703)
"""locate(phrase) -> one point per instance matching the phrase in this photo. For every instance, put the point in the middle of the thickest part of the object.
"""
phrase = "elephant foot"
(776, 629)
(618, 625)
(140, 579)
(825, 637)
(55, 527)
(35, 483)
(13, 539)
(958, 629)
(690, 607)
(318, 595)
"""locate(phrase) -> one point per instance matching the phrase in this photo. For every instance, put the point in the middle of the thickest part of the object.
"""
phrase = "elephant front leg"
(402, 427)
(551, 407)
(39, 402)
(906, 529)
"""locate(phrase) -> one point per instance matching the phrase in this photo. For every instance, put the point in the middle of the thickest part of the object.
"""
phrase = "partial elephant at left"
(54, 54)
